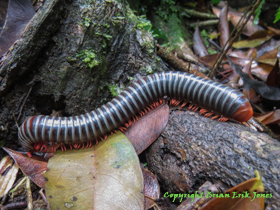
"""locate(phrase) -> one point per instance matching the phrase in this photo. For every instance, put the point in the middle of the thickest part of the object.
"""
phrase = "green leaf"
(106, 176)
(257, 13)
(277, 16)
(215, 1)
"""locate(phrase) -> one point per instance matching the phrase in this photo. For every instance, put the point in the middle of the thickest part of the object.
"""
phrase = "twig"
(206, 23)
(17, 186)
(29, 194)
(17, 205)
(237, 33)
(176, 62)
(44, 197)
(199, 14)
(21, 108)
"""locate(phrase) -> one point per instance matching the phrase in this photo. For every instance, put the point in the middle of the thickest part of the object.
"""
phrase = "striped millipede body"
(220, 99)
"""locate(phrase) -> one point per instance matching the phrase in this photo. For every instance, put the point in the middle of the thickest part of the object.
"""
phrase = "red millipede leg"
(29, 154)
(122, 129)
(70, 145)
(190, 106)
(77, 145)
(83, 145)
(141, 113)
(195, 108)
(184, 104)
(115, 131)
(90, 143)
(177, 103)
(223, 119)
(96, 142)
(105, 137)
(53, 147)
(135, 118)
(37, 146)
(63, 147)
(202, 111)
(44, 146)
(208, 114)
(215, 117)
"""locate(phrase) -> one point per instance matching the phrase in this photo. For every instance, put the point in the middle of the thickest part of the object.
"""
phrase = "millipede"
(212, 99)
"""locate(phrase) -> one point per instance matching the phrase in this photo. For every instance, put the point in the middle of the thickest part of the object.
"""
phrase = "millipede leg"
(215, 117)
(202, 111)
(44, 146)
(208, 114)
(190, 106)
(223, 119)
(184, 104)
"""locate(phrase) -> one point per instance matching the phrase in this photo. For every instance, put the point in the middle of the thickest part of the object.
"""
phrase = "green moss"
(114, 90)
(148, 69)
(89, 58)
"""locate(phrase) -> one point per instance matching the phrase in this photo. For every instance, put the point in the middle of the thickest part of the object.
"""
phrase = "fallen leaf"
(260, 38)
(146, 130)
(272, 117)
(18, 15)
(234, 17)
(249, 93)
(151, 188)
(252, 53)
(8, 175)
(273, 78)
(198, 43)
(267, 61)
(107, 176)
(270, 54)
(262, 71)
(32, 167)
(267, 92)
(223, 26)
(252, 186)
(209, 60)
(267, 47)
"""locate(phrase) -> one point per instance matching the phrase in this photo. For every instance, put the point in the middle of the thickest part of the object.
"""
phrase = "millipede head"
(243, 113)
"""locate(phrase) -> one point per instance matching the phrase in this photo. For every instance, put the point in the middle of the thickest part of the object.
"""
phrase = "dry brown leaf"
(146, 130)
(8, 175)
(234, 17)
(33, 167)
(249, 189)
(270, 118)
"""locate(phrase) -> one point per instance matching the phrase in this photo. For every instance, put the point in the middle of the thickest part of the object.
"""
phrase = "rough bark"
(194, 149)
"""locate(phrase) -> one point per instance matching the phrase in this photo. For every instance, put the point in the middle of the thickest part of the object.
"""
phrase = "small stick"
(21, 108)
(29, 195)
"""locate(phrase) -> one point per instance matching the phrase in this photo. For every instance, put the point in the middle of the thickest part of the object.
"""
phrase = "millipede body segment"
(90, 127)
